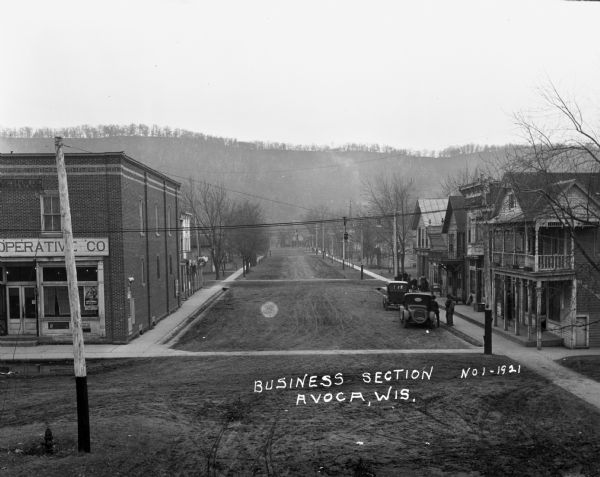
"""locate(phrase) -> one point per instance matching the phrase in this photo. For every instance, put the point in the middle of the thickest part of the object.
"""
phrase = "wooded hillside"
(293, 178)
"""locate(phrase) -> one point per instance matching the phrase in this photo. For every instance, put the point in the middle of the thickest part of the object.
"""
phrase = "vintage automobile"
(418, 308)
(394, 294)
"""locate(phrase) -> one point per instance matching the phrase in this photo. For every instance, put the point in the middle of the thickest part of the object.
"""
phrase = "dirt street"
(296, 300)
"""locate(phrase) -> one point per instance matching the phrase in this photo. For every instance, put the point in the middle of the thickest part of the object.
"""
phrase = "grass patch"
(589, 366)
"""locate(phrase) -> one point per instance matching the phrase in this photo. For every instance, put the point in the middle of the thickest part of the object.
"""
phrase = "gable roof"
(456, 207)
(432, 211)
(532, 192)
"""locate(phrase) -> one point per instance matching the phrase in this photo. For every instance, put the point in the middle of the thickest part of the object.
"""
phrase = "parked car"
(418, 308)
(394, 294)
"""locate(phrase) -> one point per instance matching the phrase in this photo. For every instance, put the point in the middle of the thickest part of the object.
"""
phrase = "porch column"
(518, 305)
(538, 312)
(504, 303)
(537, 248)
(565, 251)
(493, 304)
(547, 287)
(573, 310)
(529, 309)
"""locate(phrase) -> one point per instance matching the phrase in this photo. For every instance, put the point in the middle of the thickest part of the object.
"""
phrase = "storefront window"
(56, 301)
(56, 296)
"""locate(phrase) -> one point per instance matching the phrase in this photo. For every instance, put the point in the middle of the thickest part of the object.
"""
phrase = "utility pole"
(83, 414)
(323, 239)
(198, 267)
(345, 238)
(395, 244)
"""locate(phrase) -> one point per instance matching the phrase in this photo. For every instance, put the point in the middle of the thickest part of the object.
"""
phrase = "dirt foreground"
(222, 416)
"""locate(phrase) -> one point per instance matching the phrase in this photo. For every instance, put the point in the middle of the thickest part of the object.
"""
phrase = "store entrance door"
(22, 310)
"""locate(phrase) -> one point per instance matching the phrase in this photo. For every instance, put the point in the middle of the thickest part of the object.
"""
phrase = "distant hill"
(301, 178)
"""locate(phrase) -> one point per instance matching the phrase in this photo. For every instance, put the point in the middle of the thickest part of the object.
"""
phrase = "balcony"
(474, 249)
(544, 262)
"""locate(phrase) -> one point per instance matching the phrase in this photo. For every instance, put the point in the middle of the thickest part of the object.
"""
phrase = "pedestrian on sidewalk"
(449, 310)
(436, 309)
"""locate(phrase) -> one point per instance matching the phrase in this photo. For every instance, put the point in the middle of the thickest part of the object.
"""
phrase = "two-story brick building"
(125, 220)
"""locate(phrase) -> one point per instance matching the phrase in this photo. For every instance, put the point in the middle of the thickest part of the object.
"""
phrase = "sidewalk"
(151, 343)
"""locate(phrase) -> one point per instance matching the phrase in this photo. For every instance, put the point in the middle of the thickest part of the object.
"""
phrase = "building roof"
(532, 192)
(5, 157)
(432, 211)
(456, 208)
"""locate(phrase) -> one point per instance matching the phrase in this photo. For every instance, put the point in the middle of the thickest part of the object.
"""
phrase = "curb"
(495, 330)
(175, 333)
(464, 336)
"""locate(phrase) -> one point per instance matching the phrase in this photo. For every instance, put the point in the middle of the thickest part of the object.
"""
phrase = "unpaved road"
(297, 301)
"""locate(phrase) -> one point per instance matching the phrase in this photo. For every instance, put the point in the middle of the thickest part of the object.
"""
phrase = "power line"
(207, 228)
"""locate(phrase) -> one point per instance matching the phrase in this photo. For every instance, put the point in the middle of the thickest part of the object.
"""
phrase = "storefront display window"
(56, 295)
(56, 300)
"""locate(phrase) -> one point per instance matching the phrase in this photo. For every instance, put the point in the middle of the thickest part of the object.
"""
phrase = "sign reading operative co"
(52, 247)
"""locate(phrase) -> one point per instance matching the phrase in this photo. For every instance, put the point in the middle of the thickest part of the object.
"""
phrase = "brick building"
(125, 221)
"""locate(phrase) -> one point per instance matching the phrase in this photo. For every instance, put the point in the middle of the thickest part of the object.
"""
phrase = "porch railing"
(554, 262)
(521, 260)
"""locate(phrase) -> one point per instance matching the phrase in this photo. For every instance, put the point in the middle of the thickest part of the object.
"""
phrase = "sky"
(420, 75)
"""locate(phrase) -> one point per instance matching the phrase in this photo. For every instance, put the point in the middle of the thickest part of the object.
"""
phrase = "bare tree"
(570, 144)
(556, 156)
(248, 236)
(212, 209)
(389, 196)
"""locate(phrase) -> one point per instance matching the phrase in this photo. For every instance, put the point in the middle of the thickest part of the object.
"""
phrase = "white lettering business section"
(52, 247)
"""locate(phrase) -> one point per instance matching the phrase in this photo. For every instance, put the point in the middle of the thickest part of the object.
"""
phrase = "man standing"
(449, 310)
(436, 309)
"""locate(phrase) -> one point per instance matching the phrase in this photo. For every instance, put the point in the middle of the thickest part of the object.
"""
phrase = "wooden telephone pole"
(83, 415)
